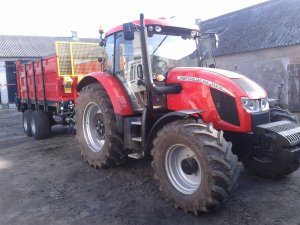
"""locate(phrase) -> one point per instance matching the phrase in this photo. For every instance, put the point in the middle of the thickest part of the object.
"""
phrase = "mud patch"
(47, 182)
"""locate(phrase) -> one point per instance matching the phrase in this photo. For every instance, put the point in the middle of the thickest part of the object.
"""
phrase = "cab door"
(128, 58)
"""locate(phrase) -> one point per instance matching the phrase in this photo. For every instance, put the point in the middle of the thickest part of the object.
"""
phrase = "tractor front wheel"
(194, 165)
(274, 167)
(96, 130)
(278, 114)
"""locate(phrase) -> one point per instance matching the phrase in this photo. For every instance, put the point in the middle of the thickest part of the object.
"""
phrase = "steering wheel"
(161, 67)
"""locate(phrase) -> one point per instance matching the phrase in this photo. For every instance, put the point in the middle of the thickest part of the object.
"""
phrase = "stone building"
(13, 47)
(263, 43)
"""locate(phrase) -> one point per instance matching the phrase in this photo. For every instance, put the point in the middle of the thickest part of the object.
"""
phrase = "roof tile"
(271, 24)
(18, 46)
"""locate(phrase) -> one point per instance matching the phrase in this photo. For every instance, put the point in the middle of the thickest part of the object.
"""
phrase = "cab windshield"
(169, 51)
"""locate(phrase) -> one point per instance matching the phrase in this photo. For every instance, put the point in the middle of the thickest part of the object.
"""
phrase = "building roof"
(271, 24)
(17, 46)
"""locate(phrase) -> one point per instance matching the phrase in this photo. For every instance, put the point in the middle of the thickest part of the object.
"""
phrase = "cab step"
(136, 122)
(136, 155)
(138, 139)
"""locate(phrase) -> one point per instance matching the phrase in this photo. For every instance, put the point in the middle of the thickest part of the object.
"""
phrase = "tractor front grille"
(286, 129)
(260, 118)
(293, 137)
(226, 107)
(281, 126)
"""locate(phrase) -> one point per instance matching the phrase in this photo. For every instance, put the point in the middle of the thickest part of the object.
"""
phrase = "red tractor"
(160, 94)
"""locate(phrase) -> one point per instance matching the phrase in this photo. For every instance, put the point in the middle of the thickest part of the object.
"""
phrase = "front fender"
(167, 118)
(113, 88)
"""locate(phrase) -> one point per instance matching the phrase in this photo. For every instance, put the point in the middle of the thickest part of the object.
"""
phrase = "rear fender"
(170, 117)
(113, 88)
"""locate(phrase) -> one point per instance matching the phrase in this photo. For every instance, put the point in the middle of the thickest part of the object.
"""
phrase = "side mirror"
(139, 69)
(102, 39)
(216, 40)
(102, 42)
(128, 31)
(101, 59)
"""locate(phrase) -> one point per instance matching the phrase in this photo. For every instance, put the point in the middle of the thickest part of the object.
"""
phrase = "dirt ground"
(47, 182)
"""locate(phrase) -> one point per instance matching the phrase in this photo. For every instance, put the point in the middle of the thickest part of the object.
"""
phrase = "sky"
(60, 17)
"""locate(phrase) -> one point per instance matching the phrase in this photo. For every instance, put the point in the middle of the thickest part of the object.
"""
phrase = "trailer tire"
(194, 166)
(40, 125)
(26, 121)
(96, 130)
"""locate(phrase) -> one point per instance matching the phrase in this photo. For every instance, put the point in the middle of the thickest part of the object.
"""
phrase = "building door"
(11, 80)
(294, 87)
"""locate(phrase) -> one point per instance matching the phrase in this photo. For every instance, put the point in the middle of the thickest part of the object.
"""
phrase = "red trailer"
(47, 88)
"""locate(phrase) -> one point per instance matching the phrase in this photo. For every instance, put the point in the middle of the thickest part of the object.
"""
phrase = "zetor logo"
(205, 82)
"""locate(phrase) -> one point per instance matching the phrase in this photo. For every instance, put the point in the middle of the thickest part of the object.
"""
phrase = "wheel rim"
(25, 124)
(93, 127)
(183, 169)
(33, 126)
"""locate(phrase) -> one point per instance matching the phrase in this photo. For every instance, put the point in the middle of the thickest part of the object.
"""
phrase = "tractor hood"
(229, 82)
(230, 100)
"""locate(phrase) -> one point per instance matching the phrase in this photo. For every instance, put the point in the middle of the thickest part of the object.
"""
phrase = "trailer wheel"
(26, 121)
(194, 165)
(40, 125)
(96, 131)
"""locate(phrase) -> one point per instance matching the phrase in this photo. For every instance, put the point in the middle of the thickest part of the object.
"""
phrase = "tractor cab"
(168, 46)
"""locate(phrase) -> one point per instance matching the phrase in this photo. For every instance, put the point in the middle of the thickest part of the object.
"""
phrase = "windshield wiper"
(159, 45)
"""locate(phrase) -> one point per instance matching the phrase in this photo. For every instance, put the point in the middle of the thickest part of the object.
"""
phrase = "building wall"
(3, 84)
(267, 67)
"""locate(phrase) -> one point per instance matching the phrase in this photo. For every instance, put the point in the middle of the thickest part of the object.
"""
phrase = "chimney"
(74, 34)
(198, 23)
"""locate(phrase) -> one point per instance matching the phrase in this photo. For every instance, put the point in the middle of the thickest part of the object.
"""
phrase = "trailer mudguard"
(113, 88)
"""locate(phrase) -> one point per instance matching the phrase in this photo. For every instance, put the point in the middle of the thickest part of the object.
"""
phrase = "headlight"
(264, 104)
(256, 105)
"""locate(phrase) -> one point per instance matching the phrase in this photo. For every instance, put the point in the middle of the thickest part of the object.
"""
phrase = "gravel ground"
(47, 182)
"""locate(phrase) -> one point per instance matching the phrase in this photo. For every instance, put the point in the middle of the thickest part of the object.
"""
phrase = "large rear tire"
(40, 125)
(26, 121)
(194, 165)
(96, 131)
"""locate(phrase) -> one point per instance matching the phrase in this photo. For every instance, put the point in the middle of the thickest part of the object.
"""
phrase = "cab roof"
(161, 22)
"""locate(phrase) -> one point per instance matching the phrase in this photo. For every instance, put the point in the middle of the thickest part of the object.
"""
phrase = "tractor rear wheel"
(194, 165)
(26, 121)
(96, 130)
(40, 125)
